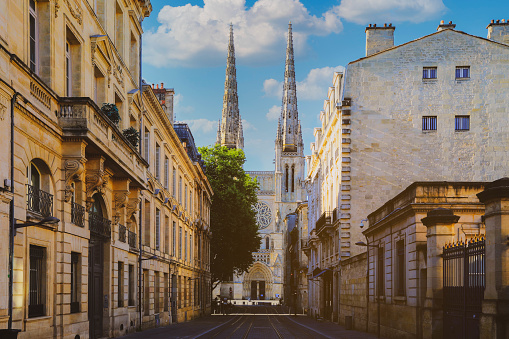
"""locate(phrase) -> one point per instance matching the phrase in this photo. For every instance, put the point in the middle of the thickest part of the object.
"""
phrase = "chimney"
(499, 31)
(443, 26)
(379, 38)
(162, 85)
(152, 86)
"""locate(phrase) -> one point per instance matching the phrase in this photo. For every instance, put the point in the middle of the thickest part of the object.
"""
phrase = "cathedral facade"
(280, 190)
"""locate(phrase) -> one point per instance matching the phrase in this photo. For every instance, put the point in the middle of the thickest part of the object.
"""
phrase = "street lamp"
(14, 226)
(362, 243)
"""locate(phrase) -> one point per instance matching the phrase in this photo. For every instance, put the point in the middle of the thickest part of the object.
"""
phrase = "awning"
(318, 272)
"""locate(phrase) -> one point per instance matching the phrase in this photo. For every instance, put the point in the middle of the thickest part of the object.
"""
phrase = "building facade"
(406, 116)
(80, 161)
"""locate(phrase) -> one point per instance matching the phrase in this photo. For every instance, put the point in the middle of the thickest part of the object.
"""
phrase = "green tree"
(232, 218)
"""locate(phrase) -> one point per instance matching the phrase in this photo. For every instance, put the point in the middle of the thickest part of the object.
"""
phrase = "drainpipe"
(139, 267)
(11, 215)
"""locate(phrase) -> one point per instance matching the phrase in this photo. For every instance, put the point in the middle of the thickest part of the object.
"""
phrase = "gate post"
(440, 231)
(495, 306)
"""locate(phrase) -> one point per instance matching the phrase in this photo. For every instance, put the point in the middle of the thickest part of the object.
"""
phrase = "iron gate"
(464, 283)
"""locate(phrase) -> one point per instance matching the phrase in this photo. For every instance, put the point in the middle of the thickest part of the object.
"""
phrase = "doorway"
(95, 286)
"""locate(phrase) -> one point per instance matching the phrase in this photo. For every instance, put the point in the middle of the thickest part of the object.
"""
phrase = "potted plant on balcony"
(111, 111)
(132, 135)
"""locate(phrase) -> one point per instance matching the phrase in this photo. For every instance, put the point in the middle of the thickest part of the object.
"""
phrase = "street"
(253, 322)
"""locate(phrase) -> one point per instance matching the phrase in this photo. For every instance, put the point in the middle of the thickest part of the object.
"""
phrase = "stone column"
(495, 307)
(440, 231)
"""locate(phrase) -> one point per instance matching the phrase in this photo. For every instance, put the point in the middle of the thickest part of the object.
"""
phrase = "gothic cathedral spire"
(289, 135)
(229, 132)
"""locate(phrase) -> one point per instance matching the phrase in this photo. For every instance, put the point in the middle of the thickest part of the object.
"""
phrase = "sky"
(185, 47)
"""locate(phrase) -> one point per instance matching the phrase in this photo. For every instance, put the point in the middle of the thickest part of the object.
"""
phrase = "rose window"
(263, 214)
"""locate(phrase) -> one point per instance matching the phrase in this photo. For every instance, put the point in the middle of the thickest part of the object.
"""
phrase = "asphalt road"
(252, 322)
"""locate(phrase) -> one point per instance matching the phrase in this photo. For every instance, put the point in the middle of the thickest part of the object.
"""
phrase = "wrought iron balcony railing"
(99, 225)
(77, 214)
(131, 238)
(121, 233)
(39, 201)
(325, 219)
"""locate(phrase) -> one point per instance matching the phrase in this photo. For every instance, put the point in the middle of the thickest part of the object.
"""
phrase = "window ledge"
(399, 298)
(462, 130)
(429, 131)
(462, 79)
(35, 319)
(430, 80)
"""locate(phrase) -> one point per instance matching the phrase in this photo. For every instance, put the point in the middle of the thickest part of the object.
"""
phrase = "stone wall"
(353, 291)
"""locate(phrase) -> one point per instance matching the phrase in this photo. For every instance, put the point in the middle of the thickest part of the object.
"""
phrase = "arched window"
(39, 200)
(286, 178)
(267, 243)
(293, 178)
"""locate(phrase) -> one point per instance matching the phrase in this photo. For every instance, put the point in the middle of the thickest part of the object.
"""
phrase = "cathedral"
(280, 191)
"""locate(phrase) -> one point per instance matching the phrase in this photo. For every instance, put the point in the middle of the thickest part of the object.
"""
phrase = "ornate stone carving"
(120, 200)
(73, 170)
(75, 10)
(133, 206)
(96, 180)
(57, 7)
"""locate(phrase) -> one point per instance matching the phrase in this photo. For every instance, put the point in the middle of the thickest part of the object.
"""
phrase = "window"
(180, 243)
(37, 282)
(174, 186)
(267, 243)
(146, 227)
(120, 284)
(400, 268)
(190, 247)
(34, 37)
(166, 292)
(166, 172)
(133, 57)
(185, 247)
(119, 29)
(166, 234)
(158, 163)
(185, 196)
(132, 286)
(462, 72)
(462, 123)
(75, 282)
(429, 73)
(180, 190)
(174, 239)
(286, 178)
(68, 69)
(158, 228)
(293, 178)
(429, 123)
(156, 293)
(147, 145)
(380, 272)
(99, 87)
(146, 295)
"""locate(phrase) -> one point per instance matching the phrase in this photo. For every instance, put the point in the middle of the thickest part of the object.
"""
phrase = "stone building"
(329, 240)
(429, 109)
(296, 261)
(279, 194)
(74, 159)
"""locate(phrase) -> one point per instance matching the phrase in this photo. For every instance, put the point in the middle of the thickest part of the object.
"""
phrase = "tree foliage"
(232, 218)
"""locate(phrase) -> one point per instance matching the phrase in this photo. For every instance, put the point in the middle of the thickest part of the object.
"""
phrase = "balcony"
(122, 233)
(99, 225)
(131, 238)
(39, 202)
(77, 214)
(324, 224)
(262, 256)
(80, 117)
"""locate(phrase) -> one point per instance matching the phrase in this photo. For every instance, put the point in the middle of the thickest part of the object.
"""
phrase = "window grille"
(120, 284)
(131, 286)
(36, 288)
(380, 272)
(429, 123)
(158, 228)
(158, 163)
(75, 285)
(462, 123)
(400, 264)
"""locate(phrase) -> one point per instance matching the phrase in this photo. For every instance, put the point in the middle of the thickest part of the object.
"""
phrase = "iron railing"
(464, 279)
(39, 201)
(131, 238)
(99, 225)
(121, 233)
(77, 214)
(325, 219)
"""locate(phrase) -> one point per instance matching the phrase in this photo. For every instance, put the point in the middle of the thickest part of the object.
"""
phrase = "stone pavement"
(200, 327)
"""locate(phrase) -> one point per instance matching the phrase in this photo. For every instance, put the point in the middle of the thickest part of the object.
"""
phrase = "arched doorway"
(258, 283)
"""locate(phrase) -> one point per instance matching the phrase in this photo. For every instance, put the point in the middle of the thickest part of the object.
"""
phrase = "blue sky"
(185, 46)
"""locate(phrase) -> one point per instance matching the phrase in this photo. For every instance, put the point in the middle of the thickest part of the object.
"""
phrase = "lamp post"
(14, 226)
(362, 243)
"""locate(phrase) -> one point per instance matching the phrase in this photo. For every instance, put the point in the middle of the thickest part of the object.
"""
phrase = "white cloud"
(202, 126)
(385, 11)
(197, 36)
(313, 87)
(273, 113)
(316, 83)
(246, 126)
